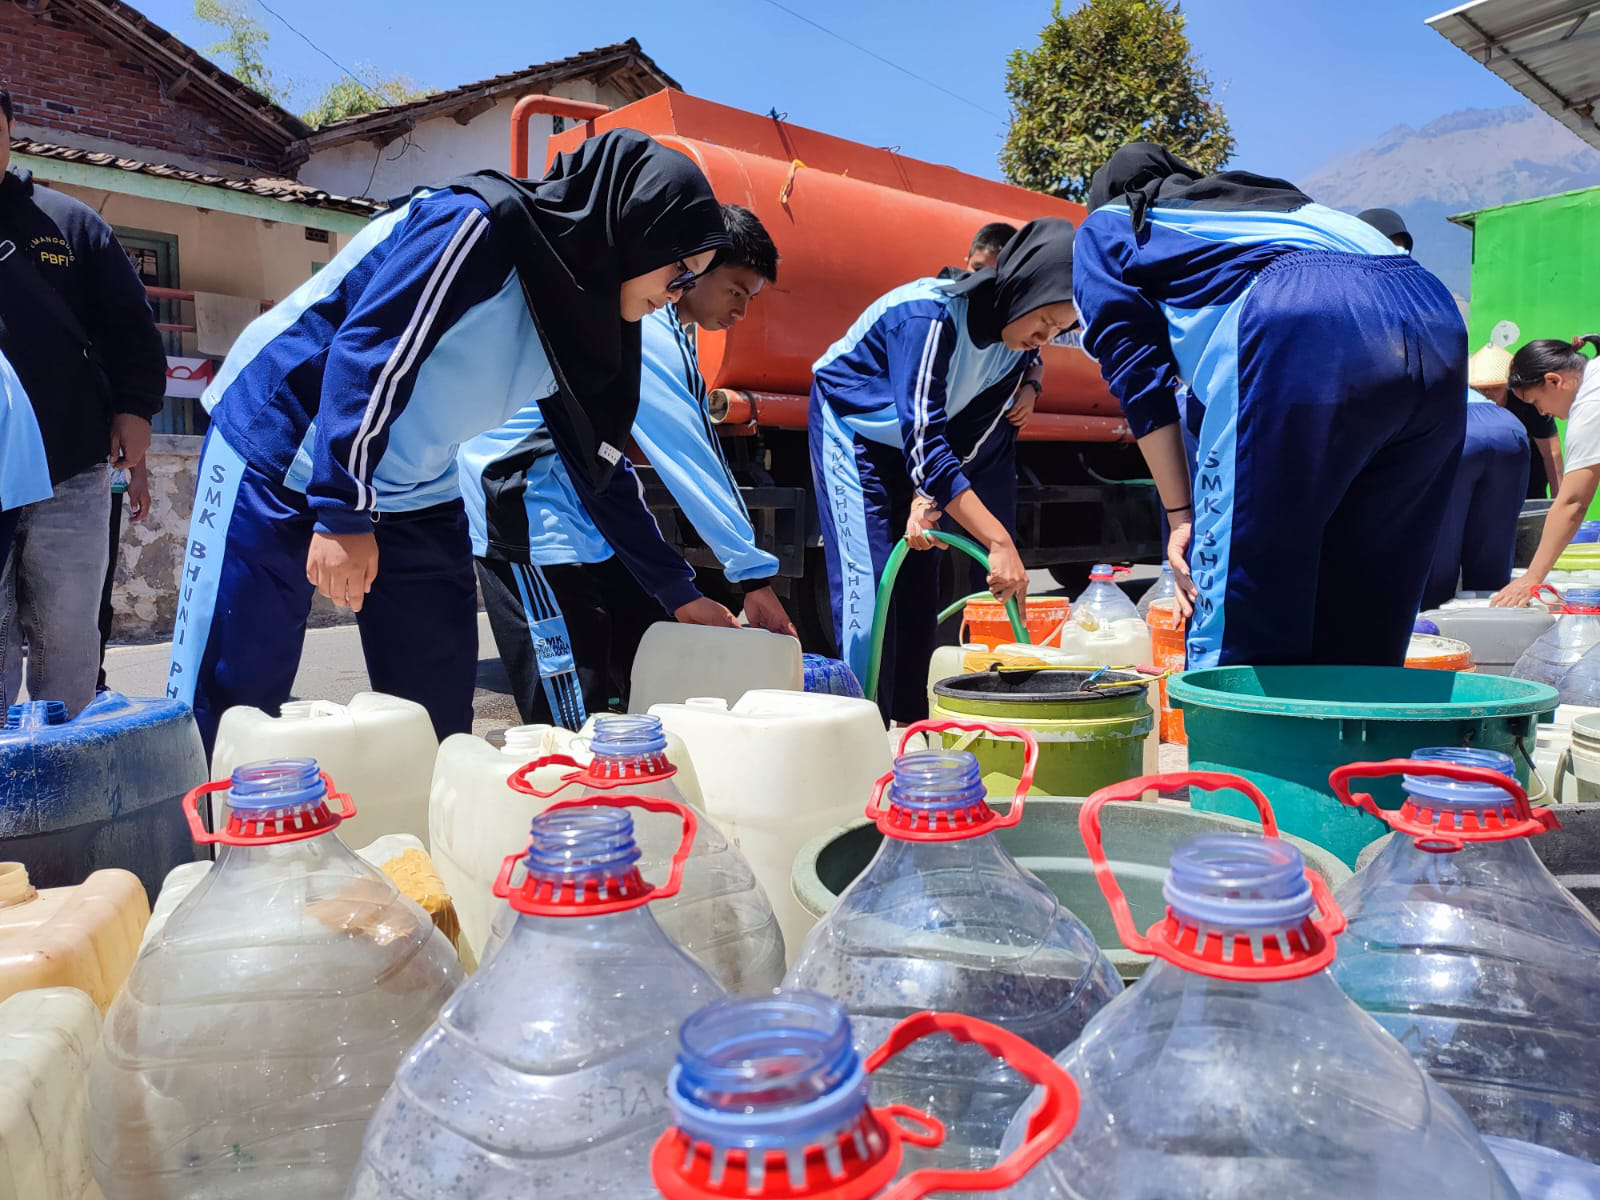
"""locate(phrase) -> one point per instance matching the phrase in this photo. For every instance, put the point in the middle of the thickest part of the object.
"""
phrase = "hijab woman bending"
(330, 464)
(899, 406)
(1327, 378)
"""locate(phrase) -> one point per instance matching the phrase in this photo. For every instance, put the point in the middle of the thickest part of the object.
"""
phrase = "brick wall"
(62, 78)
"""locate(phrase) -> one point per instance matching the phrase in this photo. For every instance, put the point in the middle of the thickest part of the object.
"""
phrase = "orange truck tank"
(851, 222)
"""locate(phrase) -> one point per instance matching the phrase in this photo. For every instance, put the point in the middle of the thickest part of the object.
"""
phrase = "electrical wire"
(887, 61)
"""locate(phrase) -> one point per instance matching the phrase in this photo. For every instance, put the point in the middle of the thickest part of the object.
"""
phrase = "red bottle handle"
(1030, 764)
(204, 837)
(1528, 821)
(519, 780)
(1051, 1122)
(691, 823)
(1330, 923)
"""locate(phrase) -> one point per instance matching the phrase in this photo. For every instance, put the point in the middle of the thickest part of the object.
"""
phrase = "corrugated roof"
(286, 190)
(1549, 50)
(619, 59)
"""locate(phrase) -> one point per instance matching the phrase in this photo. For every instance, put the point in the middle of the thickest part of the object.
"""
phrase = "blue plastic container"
(104, 789)
(1589, 531)
(830, 676)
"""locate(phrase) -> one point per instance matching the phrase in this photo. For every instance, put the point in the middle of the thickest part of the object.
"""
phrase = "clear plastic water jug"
(1103, 602)
(1164, 589)
(721, 915)
(944, 918)
(1236, 1067)
(1463, 945)
(1581, 685)
(545, 1076)
(260, 1028)
(772, 1098)
(1557, 650)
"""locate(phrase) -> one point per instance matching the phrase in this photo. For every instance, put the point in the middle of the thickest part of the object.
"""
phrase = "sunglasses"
(683, 281)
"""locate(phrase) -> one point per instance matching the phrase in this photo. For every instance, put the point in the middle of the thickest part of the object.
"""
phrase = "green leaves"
(1108, 73)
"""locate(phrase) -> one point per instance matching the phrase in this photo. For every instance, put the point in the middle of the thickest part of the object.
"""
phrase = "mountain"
(1477, 158)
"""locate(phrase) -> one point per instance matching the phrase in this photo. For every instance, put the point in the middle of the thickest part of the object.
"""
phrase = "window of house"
(154, 256)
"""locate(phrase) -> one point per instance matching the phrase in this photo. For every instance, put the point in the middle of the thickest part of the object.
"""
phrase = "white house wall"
(437, 149)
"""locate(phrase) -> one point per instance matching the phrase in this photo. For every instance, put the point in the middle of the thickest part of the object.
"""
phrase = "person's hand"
(924, 518)
(130, 440)
(705, 611)
(1177, 556)
(138, 492)
(342, 566)
(764, 610)
(1007, 576)
(1021, 410)
(1516, 594)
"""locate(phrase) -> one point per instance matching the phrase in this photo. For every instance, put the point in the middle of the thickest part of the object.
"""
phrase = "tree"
(244, 42)
(347, 97)
(1109, 73)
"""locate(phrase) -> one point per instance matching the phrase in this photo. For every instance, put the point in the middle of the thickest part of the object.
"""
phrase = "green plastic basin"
(1138, 837)
(1286, 728)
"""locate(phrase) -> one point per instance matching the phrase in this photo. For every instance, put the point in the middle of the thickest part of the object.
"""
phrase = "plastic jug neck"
(1240, 906)
(15, 887)
(629, 750)
(272, 802)
(937, 792)
(770, 1099)
(1438, 808)
(36, 714)
(582, 860)
(524, 741)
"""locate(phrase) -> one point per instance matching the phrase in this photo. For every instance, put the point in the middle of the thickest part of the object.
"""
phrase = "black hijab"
(1033, 270)
(1143, 174)
(619, 205)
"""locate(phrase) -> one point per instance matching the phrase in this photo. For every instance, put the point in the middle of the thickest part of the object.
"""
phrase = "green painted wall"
(1538, 263)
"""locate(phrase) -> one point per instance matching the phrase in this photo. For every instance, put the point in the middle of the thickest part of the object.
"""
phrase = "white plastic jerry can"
(46, 1038)
(473, 814)
(380, 748)
(678, 661)
(776, 769)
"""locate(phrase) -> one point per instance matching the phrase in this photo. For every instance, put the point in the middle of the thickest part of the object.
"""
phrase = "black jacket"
(75, 389)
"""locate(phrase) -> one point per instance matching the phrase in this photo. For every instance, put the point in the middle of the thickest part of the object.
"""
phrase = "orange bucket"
(1430, 652)
(1168, 633)
(984, 621)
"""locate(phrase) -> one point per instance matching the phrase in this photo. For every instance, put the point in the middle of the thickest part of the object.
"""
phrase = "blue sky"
(1302, 80)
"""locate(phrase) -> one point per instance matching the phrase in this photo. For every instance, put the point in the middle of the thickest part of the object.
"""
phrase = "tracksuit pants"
(567, 635)
(243, 600)
(864, 498)
(1478, 529)
(1327, 451)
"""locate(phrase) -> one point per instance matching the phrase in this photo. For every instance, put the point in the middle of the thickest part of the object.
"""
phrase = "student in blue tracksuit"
(1478, 529)
(24, 470)
(567, 615)
(897, 404)
(1331, 371)
(331, 461)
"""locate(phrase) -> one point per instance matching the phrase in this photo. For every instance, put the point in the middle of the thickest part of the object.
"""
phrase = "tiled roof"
(286, 190)
(625, 57)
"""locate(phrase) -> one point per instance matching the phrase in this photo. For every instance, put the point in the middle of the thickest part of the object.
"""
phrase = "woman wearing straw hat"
(1478, 529)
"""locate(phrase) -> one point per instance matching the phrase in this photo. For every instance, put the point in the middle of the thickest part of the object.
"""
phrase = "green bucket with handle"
(1091, 725)
(1286, 728)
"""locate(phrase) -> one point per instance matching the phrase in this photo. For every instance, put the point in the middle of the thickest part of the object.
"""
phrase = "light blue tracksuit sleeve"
(676, 435)
(24, 471)
(919, 350)
(441, 265)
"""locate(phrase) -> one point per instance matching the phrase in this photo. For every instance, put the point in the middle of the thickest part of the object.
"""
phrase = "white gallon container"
(677, 661)
(380, 748)
(182, 880)
(46, 1038)
(473, 815)
(1121, 642)
(777, 768)
(948, 661)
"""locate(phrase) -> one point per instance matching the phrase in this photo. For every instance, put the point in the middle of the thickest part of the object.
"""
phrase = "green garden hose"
(880, 610)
